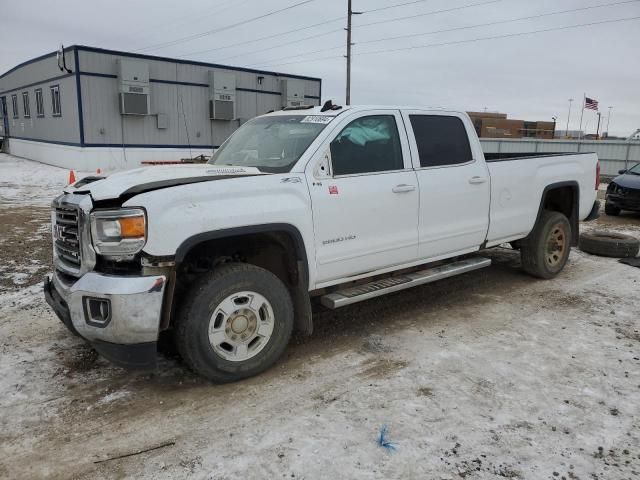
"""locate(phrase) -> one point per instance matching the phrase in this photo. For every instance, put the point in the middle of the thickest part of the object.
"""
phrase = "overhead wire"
(458, 42)
(221, 29)
(432, 12)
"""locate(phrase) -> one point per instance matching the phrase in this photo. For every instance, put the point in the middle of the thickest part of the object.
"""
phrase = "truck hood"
(132, 182)
(628, 180)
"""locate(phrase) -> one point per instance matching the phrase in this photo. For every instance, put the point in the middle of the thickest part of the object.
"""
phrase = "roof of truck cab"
(356, 108)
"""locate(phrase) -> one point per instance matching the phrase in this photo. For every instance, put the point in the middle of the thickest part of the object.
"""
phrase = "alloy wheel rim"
(241, 326)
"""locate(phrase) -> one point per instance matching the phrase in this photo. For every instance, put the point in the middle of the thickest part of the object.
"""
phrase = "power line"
(220, 7)
(432, 12)
(479, 39)
(289, 43)
(246, 42)
(499, 22)
(227, 27)
(396, 5)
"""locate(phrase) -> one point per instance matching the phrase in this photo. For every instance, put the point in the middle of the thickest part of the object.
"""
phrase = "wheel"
(545, 251)
(609, 244)
(611, 210)
(234, 323)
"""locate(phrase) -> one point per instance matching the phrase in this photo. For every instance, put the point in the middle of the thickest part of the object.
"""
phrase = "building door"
(5, 117)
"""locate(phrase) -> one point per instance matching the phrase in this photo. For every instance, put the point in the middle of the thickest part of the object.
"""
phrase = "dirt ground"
(489, 375)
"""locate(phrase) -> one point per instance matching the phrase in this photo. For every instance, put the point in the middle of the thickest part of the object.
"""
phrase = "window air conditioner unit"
(133, 87)
(222, 96)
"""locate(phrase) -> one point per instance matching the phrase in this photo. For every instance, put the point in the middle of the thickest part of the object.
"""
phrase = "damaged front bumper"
(118, 315)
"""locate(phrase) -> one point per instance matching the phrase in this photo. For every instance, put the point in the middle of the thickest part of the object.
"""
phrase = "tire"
(611, 210)
(545, 251)
(247, 299)
(609, 244)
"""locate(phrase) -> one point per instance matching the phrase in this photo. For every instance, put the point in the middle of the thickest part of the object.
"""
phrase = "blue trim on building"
(114, 145)
(189, 62)
(96, 74)
(151, 145)
(79, 96)
(176, 82)
(55, 142)
(193, 84)
(22, 87)
(33, 60)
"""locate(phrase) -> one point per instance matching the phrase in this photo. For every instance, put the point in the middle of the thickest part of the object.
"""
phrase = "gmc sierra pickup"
(341, 204)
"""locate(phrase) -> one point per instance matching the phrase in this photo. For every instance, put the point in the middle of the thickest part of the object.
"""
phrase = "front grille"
(66, 236)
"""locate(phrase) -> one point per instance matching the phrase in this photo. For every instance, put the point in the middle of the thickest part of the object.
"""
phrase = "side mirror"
(622, 172)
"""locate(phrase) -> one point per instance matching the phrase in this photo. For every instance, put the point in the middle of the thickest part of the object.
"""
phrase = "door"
(365, 198)
(454, 184)
(5, 118)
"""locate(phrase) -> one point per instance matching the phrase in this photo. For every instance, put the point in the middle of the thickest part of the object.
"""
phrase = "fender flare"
(574, 218)
(299, 293)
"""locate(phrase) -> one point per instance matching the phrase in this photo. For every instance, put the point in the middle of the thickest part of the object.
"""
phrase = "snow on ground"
(489, 375)
(23, 182)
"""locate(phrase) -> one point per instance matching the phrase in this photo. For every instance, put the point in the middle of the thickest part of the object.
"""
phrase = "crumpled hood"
(139, 180)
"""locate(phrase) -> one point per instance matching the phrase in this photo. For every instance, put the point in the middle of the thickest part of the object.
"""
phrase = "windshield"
(272, 144)
(635, 169)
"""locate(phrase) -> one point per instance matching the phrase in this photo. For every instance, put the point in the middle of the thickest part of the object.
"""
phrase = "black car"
(623, 193)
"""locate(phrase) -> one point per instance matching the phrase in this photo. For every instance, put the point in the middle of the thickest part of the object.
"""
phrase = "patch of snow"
(25, 182)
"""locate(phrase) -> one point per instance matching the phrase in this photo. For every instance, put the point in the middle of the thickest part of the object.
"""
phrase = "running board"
(377, 288)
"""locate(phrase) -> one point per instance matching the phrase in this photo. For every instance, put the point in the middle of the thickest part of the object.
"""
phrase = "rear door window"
(366, 145)
(441, 140)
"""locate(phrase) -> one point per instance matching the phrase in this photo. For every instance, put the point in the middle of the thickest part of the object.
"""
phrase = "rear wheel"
(545, 251)
(611, 210)
(235, 323)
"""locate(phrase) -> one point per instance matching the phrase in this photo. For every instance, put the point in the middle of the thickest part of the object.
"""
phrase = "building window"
(39, 103)
(55, 101)
(14, 105)
(25, 105)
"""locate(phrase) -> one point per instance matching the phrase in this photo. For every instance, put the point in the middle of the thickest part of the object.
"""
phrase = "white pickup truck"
(336, 204)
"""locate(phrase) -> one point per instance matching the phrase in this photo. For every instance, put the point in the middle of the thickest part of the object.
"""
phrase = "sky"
(438, 61)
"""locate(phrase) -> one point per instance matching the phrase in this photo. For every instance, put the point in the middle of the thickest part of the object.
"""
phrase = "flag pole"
(584, 97)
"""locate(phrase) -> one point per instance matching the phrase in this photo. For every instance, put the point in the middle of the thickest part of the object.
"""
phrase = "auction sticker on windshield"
(316, 119)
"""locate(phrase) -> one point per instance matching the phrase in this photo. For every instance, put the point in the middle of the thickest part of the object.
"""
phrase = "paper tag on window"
(316, 119)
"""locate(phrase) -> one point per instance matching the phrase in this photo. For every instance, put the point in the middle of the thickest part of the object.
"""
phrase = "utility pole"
(350, 13)
(566, 132)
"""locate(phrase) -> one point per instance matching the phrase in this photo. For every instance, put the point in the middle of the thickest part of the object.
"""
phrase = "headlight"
(119, 234)
(613, 187)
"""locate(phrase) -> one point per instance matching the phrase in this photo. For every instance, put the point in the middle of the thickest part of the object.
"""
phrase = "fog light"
(97, 311)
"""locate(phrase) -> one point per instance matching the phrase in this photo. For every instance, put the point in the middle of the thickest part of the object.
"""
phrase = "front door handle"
(403, 187)
(477, 180)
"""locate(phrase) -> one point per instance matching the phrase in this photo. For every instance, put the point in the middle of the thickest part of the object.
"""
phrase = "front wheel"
(234, 323)
(545, 251)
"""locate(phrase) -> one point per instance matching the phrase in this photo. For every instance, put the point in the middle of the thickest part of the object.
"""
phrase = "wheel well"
(563, 198)
(278, 250)
(274, 251)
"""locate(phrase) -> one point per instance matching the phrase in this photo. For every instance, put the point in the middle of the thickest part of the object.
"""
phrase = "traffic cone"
(72, 177)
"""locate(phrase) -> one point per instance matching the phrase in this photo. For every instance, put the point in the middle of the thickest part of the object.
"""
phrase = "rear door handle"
(477, 180)
(403, 187)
